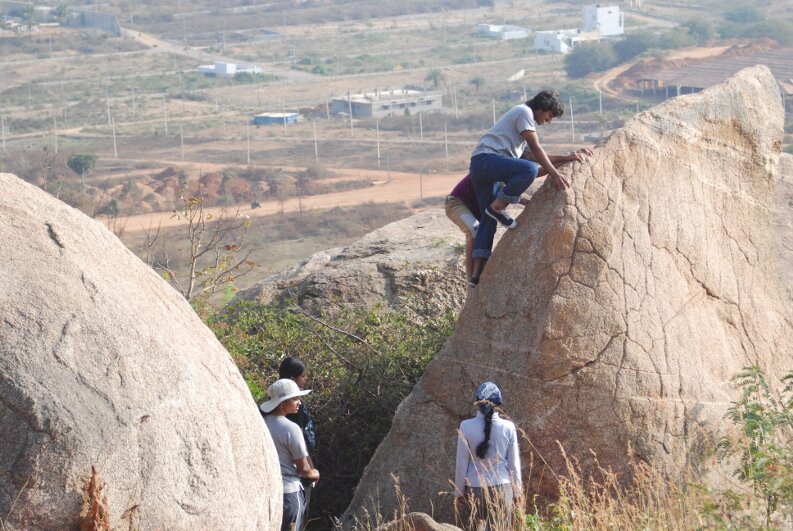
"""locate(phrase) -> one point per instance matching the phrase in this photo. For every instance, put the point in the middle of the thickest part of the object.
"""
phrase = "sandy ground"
(405, 187)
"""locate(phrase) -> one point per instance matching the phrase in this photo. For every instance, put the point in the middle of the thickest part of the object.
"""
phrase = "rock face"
(415, 262)
(782, 225)
(417, 522)
(615, 315)
(104, 364)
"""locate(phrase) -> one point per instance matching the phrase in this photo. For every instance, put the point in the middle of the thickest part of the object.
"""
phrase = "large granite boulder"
(103, 364)
(782, 225)
(615, 315)
(416, 522)
(416, 263)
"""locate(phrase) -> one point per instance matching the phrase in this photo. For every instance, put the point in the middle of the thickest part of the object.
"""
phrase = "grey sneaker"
(502, 218)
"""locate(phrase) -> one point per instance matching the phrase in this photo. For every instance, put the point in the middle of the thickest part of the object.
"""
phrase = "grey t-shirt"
(504, 138)
(290, 445)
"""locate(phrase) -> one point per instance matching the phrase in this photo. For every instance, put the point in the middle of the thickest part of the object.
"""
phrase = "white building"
(503, 33)
(556, 41)
(605, 21)
(227, 69)
(387, 103)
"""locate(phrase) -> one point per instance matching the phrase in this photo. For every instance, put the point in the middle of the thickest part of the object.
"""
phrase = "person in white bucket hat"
(284, 399)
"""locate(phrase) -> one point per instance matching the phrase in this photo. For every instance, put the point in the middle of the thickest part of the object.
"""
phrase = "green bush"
(360, 364)
(634, 44)
(765, 448)
(590, 57)
(744, 14)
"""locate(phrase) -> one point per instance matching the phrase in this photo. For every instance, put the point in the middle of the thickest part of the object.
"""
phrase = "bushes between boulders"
(360, 364)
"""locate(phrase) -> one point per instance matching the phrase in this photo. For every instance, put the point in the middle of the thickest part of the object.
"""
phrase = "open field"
(137, 102)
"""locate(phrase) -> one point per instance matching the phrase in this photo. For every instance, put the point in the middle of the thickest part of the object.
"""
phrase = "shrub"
(590, 57)
(361, 364)
(744, 14)
(635, 44)
(765, 449)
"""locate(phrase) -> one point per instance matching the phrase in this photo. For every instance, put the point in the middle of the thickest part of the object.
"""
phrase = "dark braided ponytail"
(488, 397)
(481, 449)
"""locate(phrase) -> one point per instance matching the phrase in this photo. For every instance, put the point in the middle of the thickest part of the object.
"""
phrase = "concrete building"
(605, 21)
(275, 118)
(75, 17)
(220, 69)
(504, 33)
(556, 41)
(387, 103)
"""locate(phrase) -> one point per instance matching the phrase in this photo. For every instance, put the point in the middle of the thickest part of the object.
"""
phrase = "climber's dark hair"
(547, 100)
(481, 449)
(291, 368)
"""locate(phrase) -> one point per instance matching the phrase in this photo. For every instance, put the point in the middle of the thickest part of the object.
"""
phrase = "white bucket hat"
(281, 390)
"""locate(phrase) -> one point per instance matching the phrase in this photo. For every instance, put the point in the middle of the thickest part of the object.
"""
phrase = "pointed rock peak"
(616, 314)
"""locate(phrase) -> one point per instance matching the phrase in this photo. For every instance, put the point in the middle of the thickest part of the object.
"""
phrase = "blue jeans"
(486, 170)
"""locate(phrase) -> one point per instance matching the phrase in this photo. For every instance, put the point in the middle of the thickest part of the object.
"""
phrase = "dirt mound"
(650, 67)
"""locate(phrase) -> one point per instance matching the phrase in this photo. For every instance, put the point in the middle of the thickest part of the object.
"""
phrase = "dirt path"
(199, 54)
(400, 187)
(603, 82)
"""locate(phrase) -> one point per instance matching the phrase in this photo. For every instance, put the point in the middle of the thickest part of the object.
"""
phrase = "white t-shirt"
(501, 464)
(504, 138)
(290, 445)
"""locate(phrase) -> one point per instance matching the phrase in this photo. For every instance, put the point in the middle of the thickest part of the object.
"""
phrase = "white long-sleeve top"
(501, 463)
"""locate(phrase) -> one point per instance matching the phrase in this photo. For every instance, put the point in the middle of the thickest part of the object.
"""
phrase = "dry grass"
(95, 515)
(599, 501)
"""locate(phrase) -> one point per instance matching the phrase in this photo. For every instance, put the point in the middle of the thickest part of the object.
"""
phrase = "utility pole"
(165, 115)
(377, 128)
(388, 159)
(107, 104)
(421, 127)
(446, 144)
(600, 100)
(316, 147)
(349, 105)
(494, 110)
(115, 150)
(572, 119)
(454, 99)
